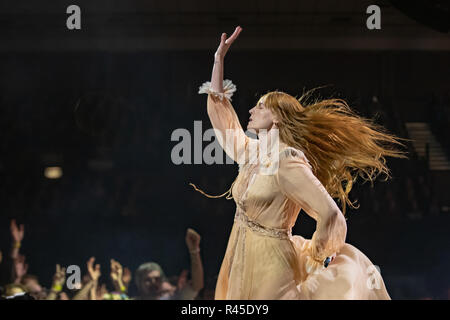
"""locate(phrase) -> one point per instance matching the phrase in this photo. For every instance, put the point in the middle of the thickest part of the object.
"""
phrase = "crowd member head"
(150, 281)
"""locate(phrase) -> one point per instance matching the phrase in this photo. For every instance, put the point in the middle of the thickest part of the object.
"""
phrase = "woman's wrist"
(218, 59)
(194, 251)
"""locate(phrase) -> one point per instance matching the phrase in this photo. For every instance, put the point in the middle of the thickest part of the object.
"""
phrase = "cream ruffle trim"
(228, 89)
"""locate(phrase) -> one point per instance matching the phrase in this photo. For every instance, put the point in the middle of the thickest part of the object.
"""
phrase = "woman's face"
(261, 117)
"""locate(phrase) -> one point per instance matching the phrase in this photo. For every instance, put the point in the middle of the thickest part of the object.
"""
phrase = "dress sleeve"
(225, 121)
(299, 184)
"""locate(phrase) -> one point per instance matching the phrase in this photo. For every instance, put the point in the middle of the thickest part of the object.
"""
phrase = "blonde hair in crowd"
(339, 144)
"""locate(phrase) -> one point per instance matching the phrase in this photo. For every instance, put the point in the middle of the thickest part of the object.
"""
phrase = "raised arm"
(117, 276)
(219, 56)
(193, 244)
(88, 292)
(17, 233)
(299, 184)
(58, 283)
(19, 268)
(221, 113)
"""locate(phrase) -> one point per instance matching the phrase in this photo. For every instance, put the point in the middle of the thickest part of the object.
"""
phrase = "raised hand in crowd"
(89, 290)
(94, 273)
(126, 277)
(192, 240)
(117, 276)
(17, 233)
(59, 279)
(193, 244)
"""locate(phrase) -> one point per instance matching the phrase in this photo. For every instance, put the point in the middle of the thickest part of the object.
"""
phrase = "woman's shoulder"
(289, 152)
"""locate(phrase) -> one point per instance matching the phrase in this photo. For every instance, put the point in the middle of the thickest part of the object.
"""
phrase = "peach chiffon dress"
(263, 260)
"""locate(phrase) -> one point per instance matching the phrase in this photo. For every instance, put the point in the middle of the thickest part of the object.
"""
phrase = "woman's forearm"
(219, 56)
(217, 74)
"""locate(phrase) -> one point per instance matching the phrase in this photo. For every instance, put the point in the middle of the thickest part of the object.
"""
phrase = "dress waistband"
(241, 217)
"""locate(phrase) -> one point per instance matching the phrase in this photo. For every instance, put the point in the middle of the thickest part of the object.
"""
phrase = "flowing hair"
(339, 144)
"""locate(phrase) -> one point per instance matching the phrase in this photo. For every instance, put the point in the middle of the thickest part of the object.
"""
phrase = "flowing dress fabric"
(263, 260)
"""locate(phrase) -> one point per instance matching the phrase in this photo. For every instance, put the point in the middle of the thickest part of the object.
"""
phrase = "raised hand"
(226, 43)
(59, 278)
(193, 243)
(119, 276)
(126, 277)
(192, 240)
(94, 272)
(17, 232)
(116, 270)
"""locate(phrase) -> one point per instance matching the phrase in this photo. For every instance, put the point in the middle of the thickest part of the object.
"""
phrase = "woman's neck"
(269, 141)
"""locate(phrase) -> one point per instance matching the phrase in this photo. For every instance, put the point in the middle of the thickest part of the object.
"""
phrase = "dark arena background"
(86, 118)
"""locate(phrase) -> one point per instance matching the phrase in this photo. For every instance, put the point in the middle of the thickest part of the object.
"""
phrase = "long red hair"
(339, 144)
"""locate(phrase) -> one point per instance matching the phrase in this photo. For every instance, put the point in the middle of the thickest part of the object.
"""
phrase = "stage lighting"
(53, 172)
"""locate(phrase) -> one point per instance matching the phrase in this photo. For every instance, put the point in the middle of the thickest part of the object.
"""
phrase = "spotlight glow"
(53, 172)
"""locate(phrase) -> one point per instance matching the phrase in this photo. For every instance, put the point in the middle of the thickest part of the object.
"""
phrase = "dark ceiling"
(196, 24)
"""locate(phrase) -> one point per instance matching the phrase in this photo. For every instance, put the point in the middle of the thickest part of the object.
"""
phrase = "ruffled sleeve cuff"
(228, 89)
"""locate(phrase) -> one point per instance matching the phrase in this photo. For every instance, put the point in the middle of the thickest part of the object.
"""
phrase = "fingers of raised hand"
(223, 38)
(191, 233)
(90, 264)
(17, 231)
(13, 225)
(233, 37)
(126, 275)
(115, 264)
